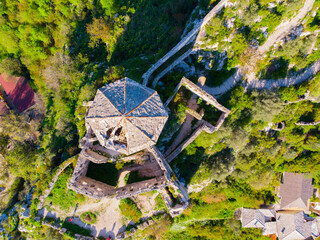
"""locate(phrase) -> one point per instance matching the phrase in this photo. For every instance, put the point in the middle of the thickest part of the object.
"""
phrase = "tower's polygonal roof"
(127, 116)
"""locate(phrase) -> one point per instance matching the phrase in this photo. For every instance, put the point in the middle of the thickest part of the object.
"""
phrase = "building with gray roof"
(256, 218)
(292, 225)
(295, 191)
(290, 222)
(126, 116)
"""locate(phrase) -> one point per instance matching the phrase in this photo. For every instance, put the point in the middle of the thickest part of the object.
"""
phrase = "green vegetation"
(75, 229)
(219, 229)
(216, 78)
(61, 196)
(130, 210)
(160, 204)
(88, 217)
(105, 172)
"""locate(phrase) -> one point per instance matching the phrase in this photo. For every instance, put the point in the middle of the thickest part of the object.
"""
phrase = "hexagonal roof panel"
(127, 116)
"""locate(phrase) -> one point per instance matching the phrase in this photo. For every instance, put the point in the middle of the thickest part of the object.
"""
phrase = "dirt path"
(121, 179)
(147, 203)
(284, 28)
(281, 31)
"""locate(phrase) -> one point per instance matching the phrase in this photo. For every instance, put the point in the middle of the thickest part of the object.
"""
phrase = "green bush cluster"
(88, 217)
(130, 210)
(61, 196)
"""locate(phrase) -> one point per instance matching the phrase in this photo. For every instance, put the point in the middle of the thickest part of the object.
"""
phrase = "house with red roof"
(16, 94)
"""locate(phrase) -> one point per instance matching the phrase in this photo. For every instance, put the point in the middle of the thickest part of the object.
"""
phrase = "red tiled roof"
(18, 90)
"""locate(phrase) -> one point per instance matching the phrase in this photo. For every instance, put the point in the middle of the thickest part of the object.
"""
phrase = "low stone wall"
(308, 123)
(80, 170)
(201, 125)
(174, 183)
(141, 187)
(194, 113)
(95, 157)
(95, 189)
(199, 92)
(98, 190)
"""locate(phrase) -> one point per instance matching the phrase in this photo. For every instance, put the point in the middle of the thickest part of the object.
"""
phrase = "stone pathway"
(264, 84)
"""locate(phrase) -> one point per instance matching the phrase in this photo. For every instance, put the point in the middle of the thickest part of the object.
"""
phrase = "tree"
(110, 6)
(239, 44)
(98, 30)
(266, 105)
(22, 161)
(11, 66)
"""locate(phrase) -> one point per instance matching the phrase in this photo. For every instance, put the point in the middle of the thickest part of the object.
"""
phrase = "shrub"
(74, 228)
(88, 217)
(130, 210)
(11, 66)
(62, 196)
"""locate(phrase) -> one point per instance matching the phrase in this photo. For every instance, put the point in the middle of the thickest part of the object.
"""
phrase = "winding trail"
(308, 73)
(281, 31)
(284, 28)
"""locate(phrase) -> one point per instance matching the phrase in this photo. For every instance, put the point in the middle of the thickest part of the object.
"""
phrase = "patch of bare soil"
(109, 218)
(146, 203)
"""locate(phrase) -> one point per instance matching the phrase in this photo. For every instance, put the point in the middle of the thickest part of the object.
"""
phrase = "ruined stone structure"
(123, 124)
(202, 125)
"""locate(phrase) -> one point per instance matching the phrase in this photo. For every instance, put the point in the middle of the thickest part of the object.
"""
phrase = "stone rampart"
(194, 113)
(95, 157)
(171, 177)
(203, 94)
(199, 92)
(188, 38)
(95, 189)
(201, 125)
(98, 190)
(141, 187)
(80, 170)
(161, 161)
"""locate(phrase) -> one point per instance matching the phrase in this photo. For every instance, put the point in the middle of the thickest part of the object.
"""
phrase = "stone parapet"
(94, 156)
